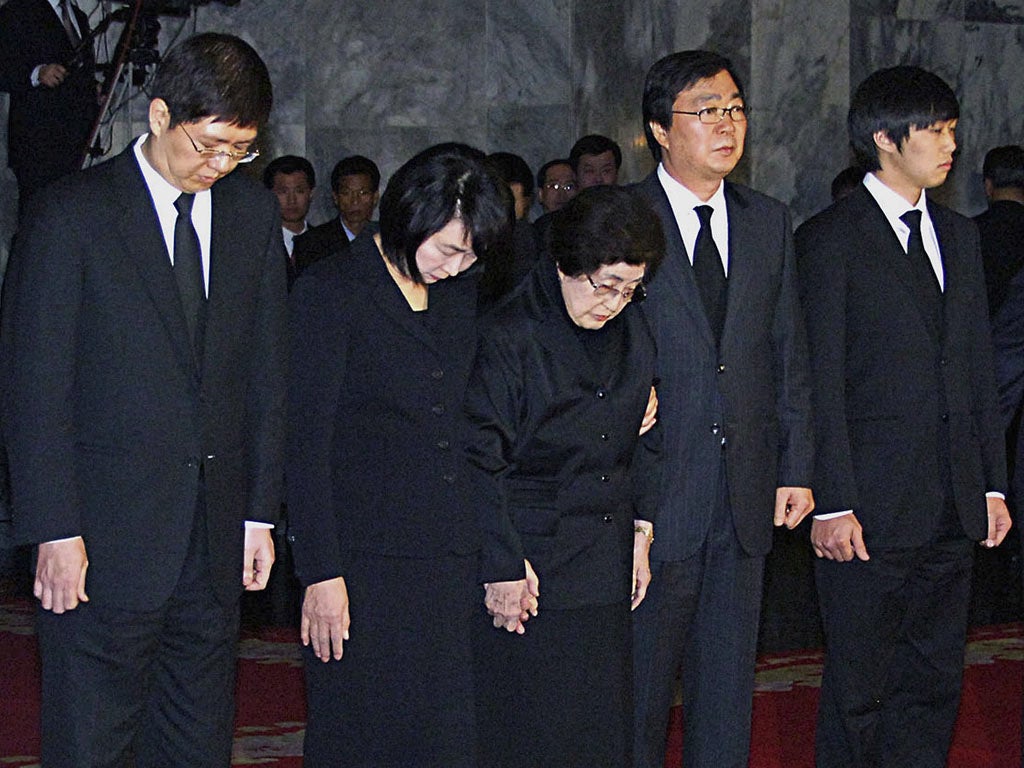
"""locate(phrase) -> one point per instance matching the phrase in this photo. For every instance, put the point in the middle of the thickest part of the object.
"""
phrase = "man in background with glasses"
(355, 185)
(143, 375)
(734, 402)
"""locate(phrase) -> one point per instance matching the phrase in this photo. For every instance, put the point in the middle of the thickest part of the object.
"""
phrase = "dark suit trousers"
(158, 684)
(895, 629)
(700, 614)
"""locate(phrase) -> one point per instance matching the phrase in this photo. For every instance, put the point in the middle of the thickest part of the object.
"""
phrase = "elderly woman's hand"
(512, 603)
(651, 414)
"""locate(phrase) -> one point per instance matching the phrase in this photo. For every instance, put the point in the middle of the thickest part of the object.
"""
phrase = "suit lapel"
(880, 239)
(744, 244)
(953, 279)
(386, 294)
(144, 243)
(675, 277)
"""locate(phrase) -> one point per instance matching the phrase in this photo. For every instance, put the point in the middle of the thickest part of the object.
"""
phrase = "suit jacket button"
(604, 435)
(437, 410)
(721, 368)
(601, 393)
(945, 417)
(715, 428)
(448, 477)
(437, 374)
(607, 518)
(443, 445)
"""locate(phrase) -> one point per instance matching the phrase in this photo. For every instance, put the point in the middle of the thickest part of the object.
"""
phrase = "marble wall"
(387, 78)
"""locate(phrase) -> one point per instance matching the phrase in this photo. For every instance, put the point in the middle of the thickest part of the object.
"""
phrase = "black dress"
(375, 464)
(558, 476)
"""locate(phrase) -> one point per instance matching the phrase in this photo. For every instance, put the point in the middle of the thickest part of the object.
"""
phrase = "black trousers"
(701, 614)
(895, 630)
(152, 689)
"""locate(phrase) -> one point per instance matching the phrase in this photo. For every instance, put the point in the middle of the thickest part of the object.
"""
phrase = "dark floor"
(789, 616)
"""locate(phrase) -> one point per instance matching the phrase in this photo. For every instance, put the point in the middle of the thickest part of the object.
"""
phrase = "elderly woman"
(560, 479)
(382, 344)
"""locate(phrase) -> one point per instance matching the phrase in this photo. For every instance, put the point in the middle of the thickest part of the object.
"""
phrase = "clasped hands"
(512, 603)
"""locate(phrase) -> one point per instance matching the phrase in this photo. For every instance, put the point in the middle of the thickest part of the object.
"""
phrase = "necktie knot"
(184, 204)
(704, 214)
(912, 219)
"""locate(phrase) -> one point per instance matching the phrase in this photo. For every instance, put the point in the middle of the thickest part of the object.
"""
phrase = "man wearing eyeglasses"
(143, 359)
(355, 184)
(734, 402)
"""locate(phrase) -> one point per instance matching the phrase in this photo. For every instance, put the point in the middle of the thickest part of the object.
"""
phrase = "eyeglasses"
(633, 293)
(715, 115)
(215, 154)
(565, 186)
(355, 194)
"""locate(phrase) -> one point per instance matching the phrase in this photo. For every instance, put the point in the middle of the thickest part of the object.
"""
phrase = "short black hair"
(1004, 166)
(593, 144)
(605, 225)
(672, 75)
(432, 189)
(214, 75)
(846, 181)
(894, 101)
(353, 166)
(513, 169)
(542, 174)
(288, 164)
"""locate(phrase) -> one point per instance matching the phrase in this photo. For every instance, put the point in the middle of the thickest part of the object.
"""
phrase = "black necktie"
(188, 269)
(69, 27)
(708, 270)
(926, 283)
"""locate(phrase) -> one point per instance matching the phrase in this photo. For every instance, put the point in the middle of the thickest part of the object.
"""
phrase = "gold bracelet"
(648, 532)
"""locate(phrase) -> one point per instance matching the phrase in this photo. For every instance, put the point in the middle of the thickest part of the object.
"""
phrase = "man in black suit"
(734, 402)
(355, 182)
(143, 353)
(1001, 226)
(910, 468)
(48, 71)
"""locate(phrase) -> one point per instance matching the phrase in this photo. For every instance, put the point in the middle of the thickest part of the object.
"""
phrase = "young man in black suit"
(49, 73)
(909, 466)
(734, 401)
(143, 354)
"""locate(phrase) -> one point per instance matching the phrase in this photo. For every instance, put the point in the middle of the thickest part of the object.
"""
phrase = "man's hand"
(52, 75)
(999, 522)
(651, 414)
(792, 505)
(641, 568)
(512, 603)
(325, 619)
(60, 575)
(839, 538)
(258, 558)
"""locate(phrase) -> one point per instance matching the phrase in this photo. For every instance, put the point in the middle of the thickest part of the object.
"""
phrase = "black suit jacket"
(375, 415)
(1001, 228)
(747, 401)
(553, 439)
(110, 425)
(318, 243)
(906, 420)
(48, 127)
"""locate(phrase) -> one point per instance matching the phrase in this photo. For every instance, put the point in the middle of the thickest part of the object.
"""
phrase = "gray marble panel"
(397, 65)
(930, 10)
(799, 93)
(999, 11)
(538, 134)
(989, 84)
(528, 56)
(876, 43)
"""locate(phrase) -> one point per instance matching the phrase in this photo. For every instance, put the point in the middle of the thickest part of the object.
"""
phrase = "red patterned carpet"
(271, 711)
